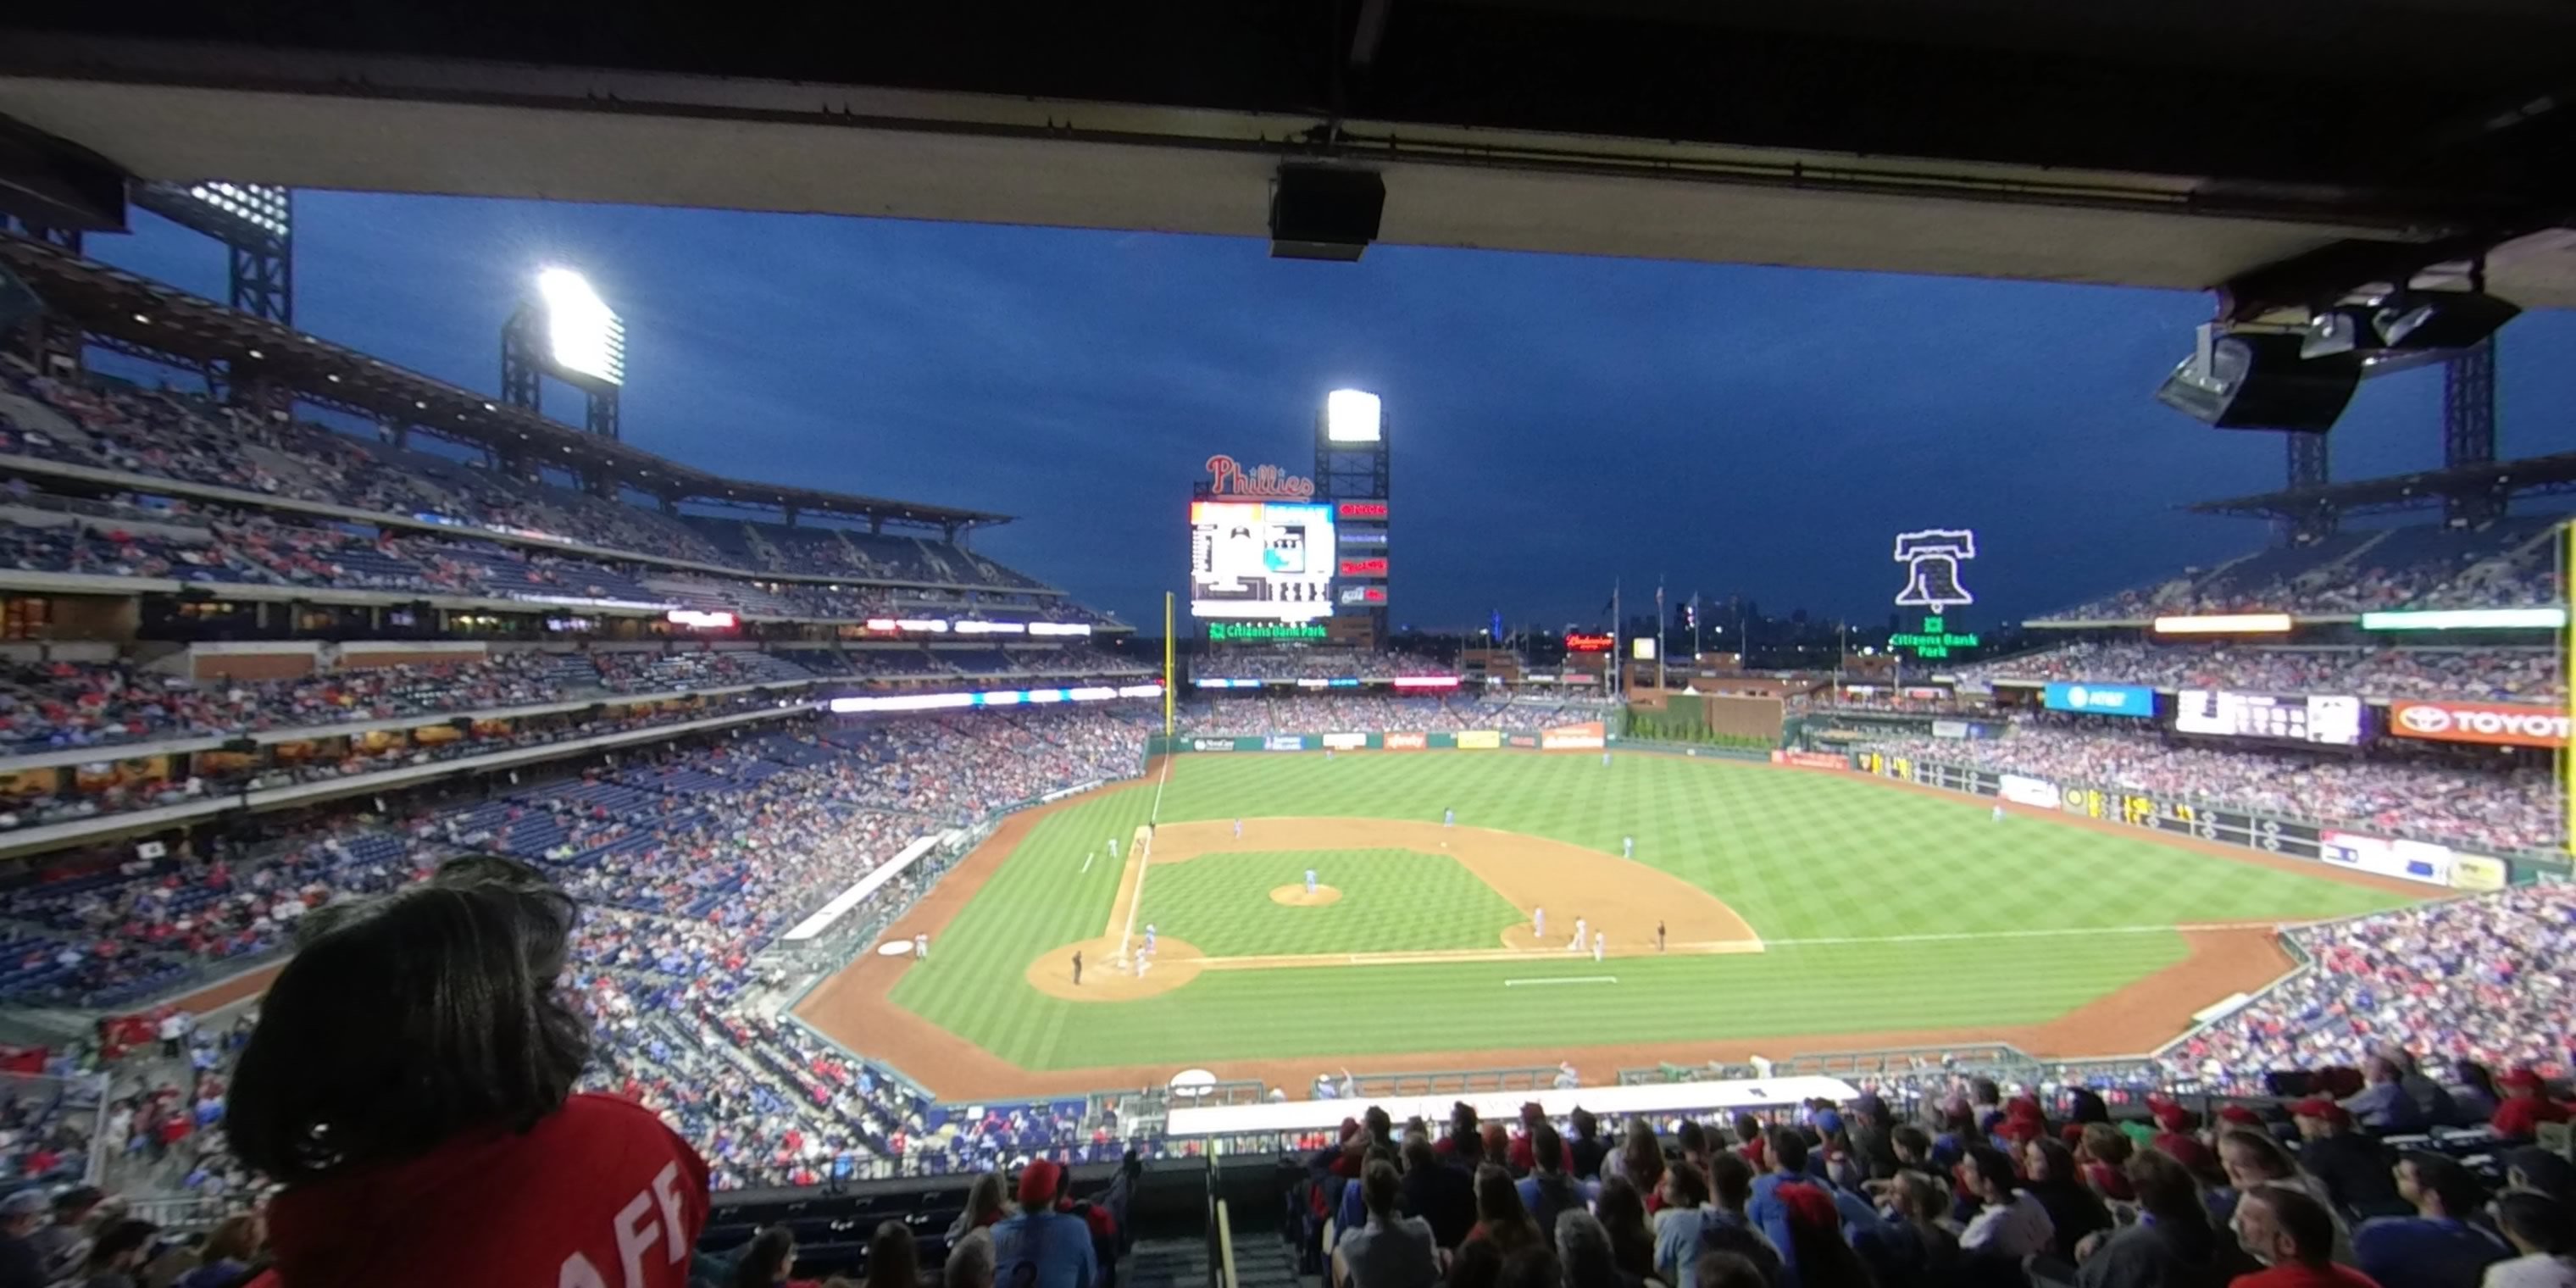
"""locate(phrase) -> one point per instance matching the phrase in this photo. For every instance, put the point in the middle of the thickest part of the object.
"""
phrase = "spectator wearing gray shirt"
(1390, 1251)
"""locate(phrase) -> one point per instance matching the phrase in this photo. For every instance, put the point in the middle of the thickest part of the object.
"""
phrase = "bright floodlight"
(584, 337)
(262, 206)
(1350, 416)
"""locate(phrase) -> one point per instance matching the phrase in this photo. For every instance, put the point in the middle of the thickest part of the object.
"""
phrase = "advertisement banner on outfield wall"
(2496, 724)
(2028, 791)
(1284, 742)
(1211, 744)
(1524, 741)
(1810, 760)
(1479, 739)
(1406, 742)
(1591, 736)
(2407, 860)
(2478, 872)
(1344, 741)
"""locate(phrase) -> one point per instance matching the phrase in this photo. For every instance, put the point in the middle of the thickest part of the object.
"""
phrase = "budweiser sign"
(2495, 723)
(1226, 478)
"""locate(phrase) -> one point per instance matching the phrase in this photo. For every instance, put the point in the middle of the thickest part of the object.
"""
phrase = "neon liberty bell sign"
(1931, 558)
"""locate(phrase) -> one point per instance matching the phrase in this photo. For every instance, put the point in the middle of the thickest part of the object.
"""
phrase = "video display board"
(2331, 720)
(2100, 699)
(1263, 560)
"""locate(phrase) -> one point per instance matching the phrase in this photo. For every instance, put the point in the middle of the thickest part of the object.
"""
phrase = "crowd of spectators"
(2477, 980)
(737, 836)
(1317, 664)
(1979, 1184)
(2460, 798)
(688, 865)
(217, 545)
(2505, 564)
(160, 434)
(2498, 674)
(1370, 712)
(55, 705)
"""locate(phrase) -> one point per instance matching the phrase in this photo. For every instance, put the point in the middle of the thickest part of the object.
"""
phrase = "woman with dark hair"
(1622, 1211)
(2173, 1245)
(117, 1256)
(766, 1261)
(1500, 1218)
(2073, 1208)
(1641, 1161)
(2476, 1095)
(893, 1261)
(410, 1084)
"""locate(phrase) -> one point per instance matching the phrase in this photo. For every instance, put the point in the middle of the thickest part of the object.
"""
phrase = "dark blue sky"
(1555, 421)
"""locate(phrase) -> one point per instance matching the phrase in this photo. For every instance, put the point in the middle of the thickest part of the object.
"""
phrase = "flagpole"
(1613, 679)
(1659, 632)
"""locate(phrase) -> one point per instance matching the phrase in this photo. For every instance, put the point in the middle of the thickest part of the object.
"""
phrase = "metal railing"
(1220, 1250)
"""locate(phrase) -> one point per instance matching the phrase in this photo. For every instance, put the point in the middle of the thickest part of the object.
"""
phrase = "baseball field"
(1801, 911)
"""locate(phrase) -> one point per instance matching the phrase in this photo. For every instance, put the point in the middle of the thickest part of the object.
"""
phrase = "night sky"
(1556, 422)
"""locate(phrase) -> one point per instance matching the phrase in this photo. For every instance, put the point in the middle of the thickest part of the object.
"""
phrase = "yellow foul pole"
(1168, 683)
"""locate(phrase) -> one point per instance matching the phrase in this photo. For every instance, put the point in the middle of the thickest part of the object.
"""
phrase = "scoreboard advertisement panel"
(2329, 720)
(1263, 560)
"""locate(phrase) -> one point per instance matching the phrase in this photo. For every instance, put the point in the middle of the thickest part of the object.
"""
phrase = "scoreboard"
(2330, 720)
(2136, 809)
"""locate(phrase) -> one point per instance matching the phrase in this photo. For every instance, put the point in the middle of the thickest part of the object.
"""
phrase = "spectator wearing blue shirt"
(1787, 1150)
(1038, 1246)
(1547, 1190)
(2437, 1247)
(2384, 1105)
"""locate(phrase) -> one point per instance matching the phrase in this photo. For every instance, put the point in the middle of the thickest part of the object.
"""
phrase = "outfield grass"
(1803, 856)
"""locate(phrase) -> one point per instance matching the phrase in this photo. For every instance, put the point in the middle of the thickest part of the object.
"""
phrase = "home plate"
(1561, 979)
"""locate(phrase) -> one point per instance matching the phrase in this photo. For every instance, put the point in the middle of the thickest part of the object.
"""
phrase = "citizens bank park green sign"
(1934, 640)
(1220, 631)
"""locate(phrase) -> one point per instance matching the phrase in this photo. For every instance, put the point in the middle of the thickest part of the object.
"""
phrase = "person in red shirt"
(410, 1084)
(2293, 1236)
(2525, 1106)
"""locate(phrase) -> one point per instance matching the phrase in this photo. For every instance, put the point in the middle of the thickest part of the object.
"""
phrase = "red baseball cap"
(2175, 1118)
(2321, 1108)
(2241, 1116)
(1040, 1182)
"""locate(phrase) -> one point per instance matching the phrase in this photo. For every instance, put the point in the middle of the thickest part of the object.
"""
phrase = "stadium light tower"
(256, 224)
(569, 333)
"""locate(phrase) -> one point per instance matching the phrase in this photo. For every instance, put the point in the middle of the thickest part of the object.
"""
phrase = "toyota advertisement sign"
(2100, 699)
(2498, 724)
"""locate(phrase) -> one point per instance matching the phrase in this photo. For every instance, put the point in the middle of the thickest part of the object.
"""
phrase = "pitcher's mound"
(1295, 896)
(1104, 979)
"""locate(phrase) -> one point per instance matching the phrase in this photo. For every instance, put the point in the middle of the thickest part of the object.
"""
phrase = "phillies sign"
(1269, 482)
(2494, 723)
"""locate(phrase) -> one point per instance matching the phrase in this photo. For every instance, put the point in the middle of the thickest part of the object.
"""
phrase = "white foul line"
(2051, 933)
(1562, 979)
